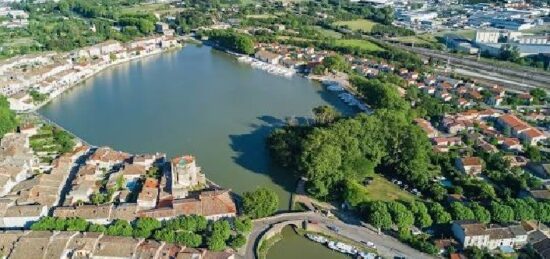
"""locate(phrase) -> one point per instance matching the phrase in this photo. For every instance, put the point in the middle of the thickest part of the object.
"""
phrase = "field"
(383, 190)
(260, 16)
(155, 8)
(328, 33)
(364, 44)
(468, 34)
(360, 24)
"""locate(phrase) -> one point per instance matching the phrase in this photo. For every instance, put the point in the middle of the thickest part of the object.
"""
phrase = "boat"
(342, 247)
(366, 255)
(335, 88)
(317, 238)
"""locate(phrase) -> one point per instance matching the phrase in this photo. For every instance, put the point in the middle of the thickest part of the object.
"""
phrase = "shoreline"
(94, 73)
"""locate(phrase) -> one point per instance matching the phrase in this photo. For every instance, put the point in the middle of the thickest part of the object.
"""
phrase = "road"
(387, 246)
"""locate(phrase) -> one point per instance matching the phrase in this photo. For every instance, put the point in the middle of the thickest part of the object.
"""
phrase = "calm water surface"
(195, 101)
(296, 246)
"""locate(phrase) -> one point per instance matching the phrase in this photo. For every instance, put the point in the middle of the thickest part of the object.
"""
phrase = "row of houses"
(472, 233)
(29, 188)
(45, 244)
(51, 74)
(181, 190)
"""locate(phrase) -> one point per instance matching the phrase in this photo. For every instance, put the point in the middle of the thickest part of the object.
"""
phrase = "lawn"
(364, 44)
(381, 189)
(359, 24)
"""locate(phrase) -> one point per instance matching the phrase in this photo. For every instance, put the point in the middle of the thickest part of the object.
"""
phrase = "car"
(333, 228)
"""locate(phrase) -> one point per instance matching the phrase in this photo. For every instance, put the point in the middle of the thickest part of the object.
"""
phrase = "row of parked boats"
(341, 247)
(347, 97)
(270, 68)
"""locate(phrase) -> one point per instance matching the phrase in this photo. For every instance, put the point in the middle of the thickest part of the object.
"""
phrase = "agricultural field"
(363, 44)
(359, 24)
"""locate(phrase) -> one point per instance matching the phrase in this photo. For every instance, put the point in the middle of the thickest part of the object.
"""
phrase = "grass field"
(155, 8)
(360, 24)
(260, 16)
(328, 33)
(364, 44)
(468, 34)
(383, 190)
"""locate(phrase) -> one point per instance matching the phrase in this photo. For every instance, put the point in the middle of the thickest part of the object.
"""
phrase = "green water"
(296, 246)
(194, 101)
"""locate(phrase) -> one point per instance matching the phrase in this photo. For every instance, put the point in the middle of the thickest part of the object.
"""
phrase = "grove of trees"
(190, 231)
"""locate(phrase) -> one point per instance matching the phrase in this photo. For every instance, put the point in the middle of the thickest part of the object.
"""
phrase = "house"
(469, 165)
(268, 57)
(512, 144)
(427, 127)
(147, 198)
(115, 247)
(22, 216)
(541, 170)
(98, 214)
(472, 233)
(532, 136)
(105, 158)
(516, 161)
(213, 205)
(447, 141)
(542, 248)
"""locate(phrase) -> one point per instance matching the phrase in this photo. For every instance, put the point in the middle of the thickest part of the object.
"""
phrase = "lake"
(198, 101)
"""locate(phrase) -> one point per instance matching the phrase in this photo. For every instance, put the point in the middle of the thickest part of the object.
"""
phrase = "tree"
(439, 214)
(538, 93)
(243, 225)
(501, 213)
(480, 213)
(325, 114)
(97, 228)
(119, 227)
(8, 120)
(378, 215)
(76, 224)
(509, 53)
(422, 217)
(260, 203)
(533, 153)
(522, 210)
(401, 216)
(188, 239)
(336, 62)
(144, 227)
(461, 212)
(215, 243)
(238, 241)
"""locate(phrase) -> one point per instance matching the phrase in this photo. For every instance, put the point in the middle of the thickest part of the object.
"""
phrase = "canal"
(196, 101)
(293, 245)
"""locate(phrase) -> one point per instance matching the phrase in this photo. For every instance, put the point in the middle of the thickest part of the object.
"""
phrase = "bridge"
(267, 227)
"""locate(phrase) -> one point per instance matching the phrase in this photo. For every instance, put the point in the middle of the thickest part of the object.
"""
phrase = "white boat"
(366, 255)
(342, 247)
(316, 238)
(335, 88)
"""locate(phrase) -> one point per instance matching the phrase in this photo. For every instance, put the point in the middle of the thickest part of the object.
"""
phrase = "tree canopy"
(260, 203)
